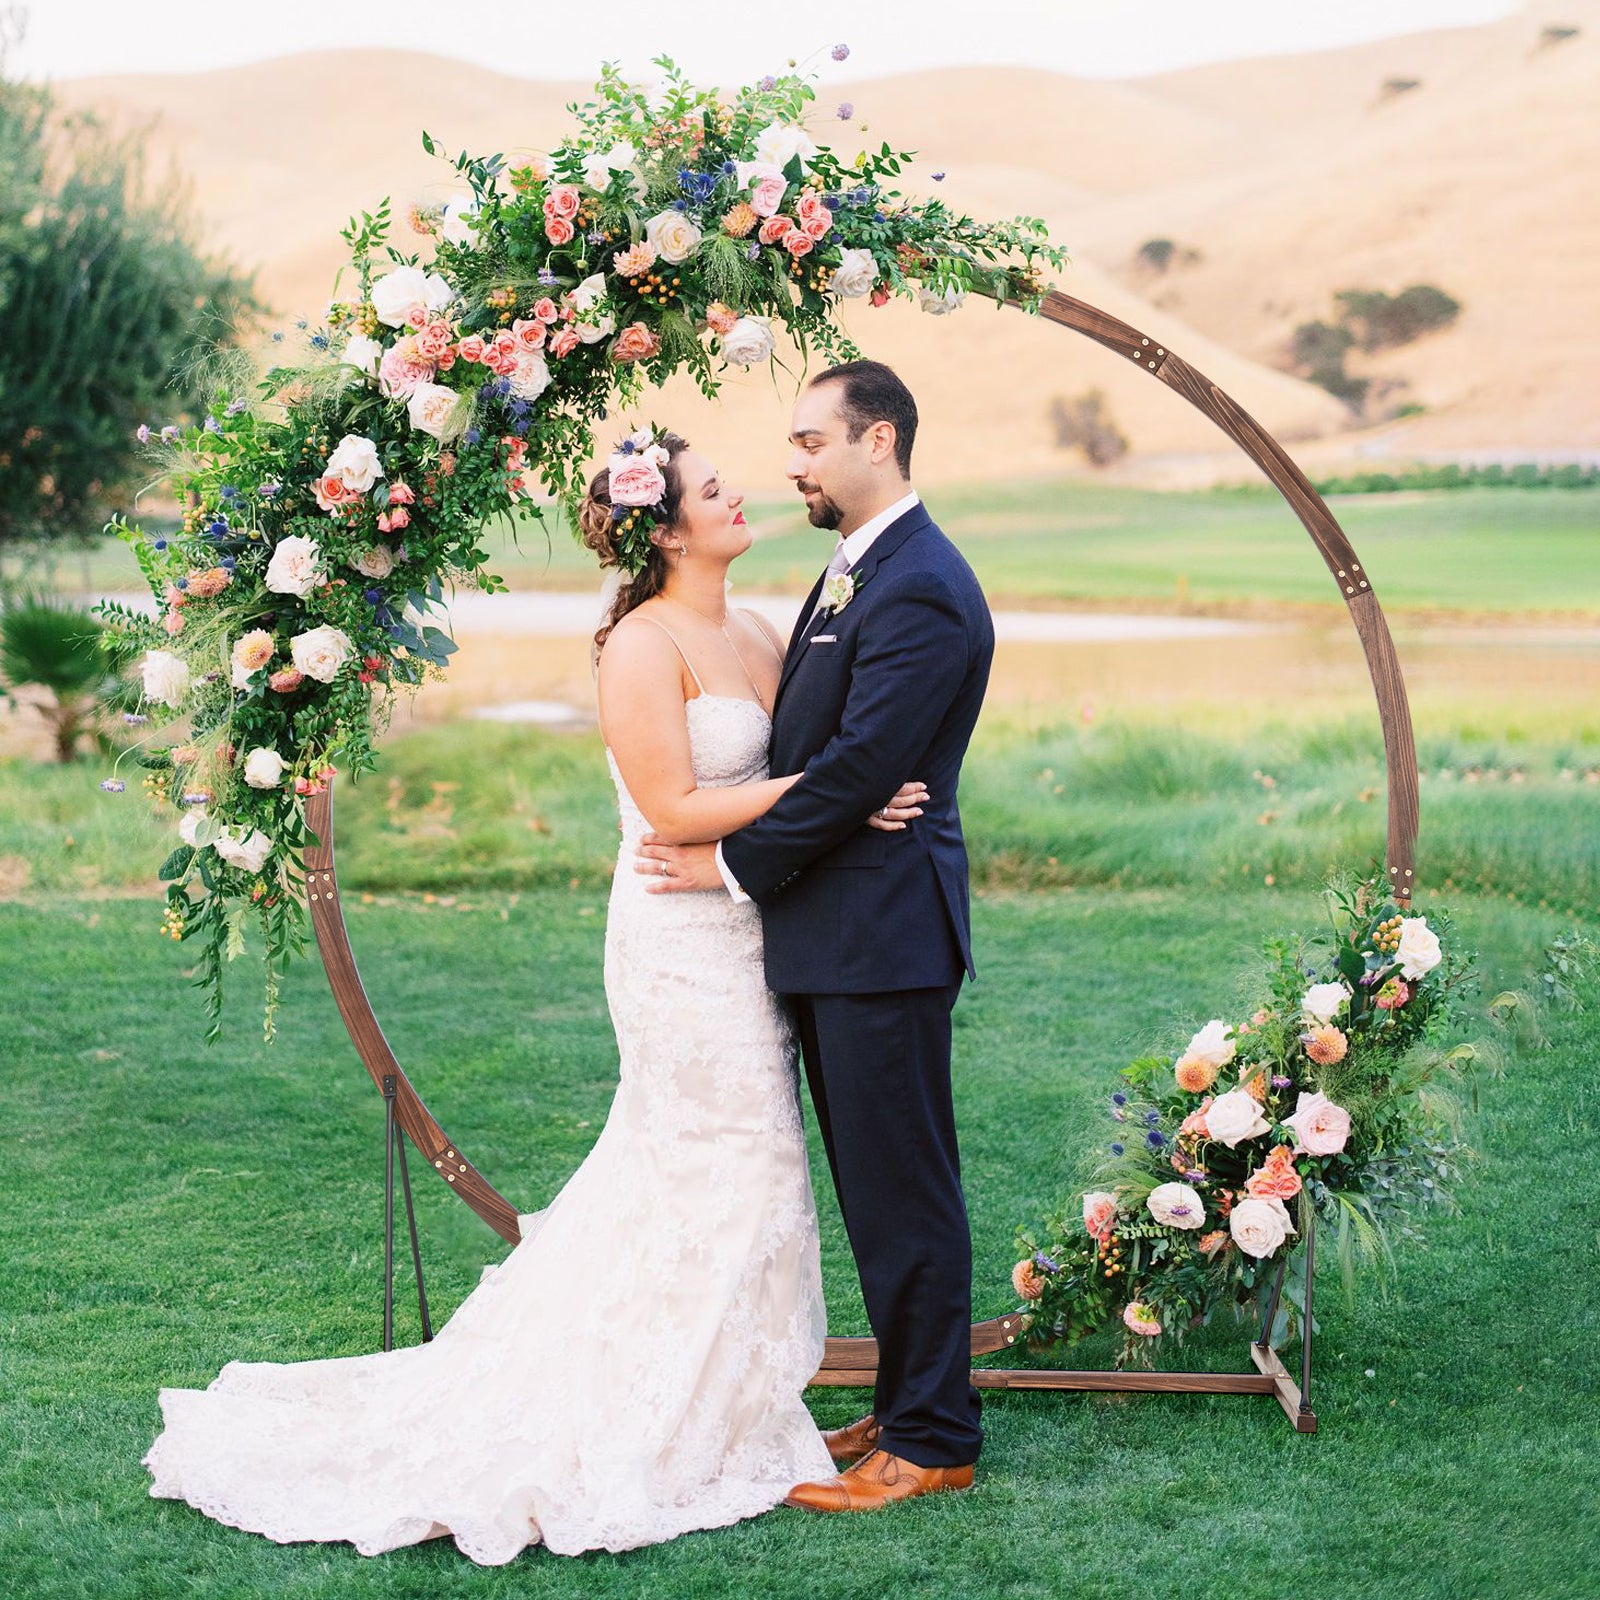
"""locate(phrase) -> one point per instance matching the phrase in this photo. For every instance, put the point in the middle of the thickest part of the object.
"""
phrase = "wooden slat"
(333, 939)
(1284, 1386)
(1098, 1382)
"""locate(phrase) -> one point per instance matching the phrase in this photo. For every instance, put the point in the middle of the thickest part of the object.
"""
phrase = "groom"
(867, 932)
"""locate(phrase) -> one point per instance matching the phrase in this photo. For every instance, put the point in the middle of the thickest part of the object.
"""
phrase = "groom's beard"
(823, 513)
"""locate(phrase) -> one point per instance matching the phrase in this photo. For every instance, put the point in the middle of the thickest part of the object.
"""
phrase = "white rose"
(1418, 952)
(593, 332)
(189, 826)
(376, 561)
(855, 275)
(355, 463)
(166, 677)
(1324, 1001)
(1259, 1226)
(363, 354)
(748, 341)
(296, 566)
(780, 142)
(248, 853)
(589, 293)
(941, 304)
(597, 168)
(394, 294)
(437, 410)
(1176, 1205)
(1235, 1116)
(239, 675)
(263, 768)
(320, 652)
(674, 236)
(459, 215)
(1211, 1045)
(532, 376)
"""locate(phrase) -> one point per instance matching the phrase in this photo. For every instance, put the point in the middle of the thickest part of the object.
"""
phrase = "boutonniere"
(838, 591)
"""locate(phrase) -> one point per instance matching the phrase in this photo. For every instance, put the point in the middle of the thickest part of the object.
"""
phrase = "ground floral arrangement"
(329, 502)
(1336, 1101)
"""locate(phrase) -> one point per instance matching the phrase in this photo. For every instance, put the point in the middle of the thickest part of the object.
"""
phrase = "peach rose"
(1259, 1226)
(1099, 1214)
(635, 343)
(433, 340)
(1320, 1127)
(558, 231)
(720, 318)
(545, 309)
(403, 369)
(773, 229)
(564, 342)
(816, 228)
(766, 183)
(472, 347)
(798, 242)
(1275, 1178)
(334, 494)
(1211, 1243)
(1194, 1126)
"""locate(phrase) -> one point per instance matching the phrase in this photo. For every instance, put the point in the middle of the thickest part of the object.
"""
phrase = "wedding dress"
(634, 1368)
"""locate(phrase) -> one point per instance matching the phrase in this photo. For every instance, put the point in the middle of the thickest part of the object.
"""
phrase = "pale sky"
(716, 41)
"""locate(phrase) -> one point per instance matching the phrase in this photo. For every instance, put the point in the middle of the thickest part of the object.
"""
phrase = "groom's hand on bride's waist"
(671, 868)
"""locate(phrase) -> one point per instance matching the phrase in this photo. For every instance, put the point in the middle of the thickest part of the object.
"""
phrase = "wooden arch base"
(853, 1362)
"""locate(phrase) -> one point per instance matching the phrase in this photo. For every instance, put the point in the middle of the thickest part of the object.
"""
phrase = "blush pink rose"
(472, 347)
(529, 335)
(639, 483)
(798, 242)
(564, 343)
(433, 340)
(773, 229)
(767, 195)
(1320, 1127)
(817, 227)
(545, 310)
(558, 230)
(401, 494)
(563, 201)
(403, 369)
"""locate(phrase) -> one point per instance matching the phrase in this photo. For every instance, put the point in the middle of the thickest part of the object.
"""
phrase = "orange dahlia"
(741, 218)
(1194, 1075)
(1327, 1045)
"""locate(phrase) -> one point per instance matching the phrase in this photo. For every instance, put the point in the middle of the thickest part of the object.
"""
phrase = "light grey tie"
(839, 563)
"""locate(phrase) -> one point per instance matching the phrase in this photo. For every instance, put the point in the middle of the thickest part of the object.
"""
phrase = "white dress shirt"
(855, 546)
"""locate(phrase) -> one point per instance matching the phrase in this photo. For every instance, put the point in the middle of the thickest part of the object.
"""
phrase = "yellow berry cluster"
(171, 922)
(1111, 1262)
(339, 313)
(155, 787)
(1386, 936)
(366, 319)
(815, 276)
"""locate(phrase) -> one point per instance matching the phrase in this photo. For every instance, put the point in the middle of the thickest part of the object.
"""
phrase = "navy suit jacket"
(886, 690)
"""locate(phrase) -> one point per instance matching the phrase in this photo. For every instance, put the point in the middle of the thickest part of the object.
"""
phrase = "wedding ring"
(661, 868)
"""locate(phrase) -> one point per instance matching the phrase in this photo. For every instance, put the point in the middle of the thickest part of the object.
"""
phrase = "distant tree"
(1085, 423)
(1393, 88)
(1157, 253)
(1556, 34)
(103, 296)
(1380, 321)
(1317, 351)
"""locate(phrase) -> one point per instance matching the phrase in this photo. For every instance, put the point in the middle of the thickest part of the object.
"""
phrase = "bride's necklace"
(723, 629)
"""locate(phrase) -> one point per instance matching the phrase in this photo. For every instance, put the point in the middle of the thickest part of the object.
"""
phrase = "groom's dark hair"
(875, 393)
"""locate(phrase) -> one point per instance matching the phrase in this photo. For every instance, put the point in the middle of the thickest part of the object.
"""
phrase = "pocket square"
(823, 638)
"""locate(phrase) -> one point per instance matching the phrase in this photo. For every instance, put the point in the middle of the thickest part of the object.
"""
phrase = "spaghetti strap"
(679, 648)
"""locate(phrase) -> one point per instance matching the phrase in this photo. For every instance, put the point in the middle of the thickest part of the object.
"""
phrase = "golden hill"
(1292, 177)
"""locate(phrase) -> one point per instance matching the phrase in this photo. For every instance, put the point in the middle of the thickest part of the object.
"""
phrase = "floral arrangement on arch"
(328, 502)
(1330, 1102)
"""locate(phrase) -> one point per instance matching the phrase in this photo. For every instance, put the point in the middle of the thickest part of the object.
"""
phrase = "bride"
(634, 1368)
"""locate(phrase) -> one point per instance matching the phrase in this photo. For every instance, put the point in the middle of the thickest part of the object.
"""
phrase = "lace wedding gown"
(633, 1369)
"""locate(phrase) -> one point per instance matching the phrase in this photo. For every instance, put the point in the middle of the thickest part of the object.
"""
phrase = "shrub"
(1085, 423)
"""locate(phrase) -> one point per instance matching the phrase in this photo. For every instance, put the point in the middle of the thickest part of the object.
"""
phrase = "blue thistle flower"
(754, 252)
(627, 447)
(319, 341)
(277, 338)
(181, 583)
(618, 513)
(831, 201)
(372, 596)
(1155, 1140)
(680, 205)
(160, 544)
(473, 436)
(729, 168)
(301, 323)
(1151, 1118)
(228, 563)
(938, 177)
(1117, 1149)
(1119, 1098)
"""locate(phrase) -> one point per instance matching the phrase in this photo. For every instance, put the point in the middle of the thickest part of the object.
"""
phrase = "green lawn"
(170, 1208)
(1476, 550)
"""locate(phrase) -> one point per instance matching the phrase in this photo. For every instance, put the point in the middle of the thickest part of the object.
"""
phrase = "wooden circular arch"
(1354, 587)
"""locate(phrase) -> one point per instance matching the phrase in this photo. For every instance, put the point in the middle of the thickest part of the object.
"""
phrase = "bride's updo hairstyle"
(621, 542)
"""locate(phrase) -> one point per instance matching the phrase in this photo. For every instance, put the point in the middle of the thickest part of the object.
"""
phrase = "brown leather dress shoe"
(874, 1482)
(851, 1443)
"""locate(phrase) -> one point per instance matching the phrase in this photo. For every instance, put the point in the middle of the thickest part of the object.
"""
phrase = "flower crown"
(638, 492)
